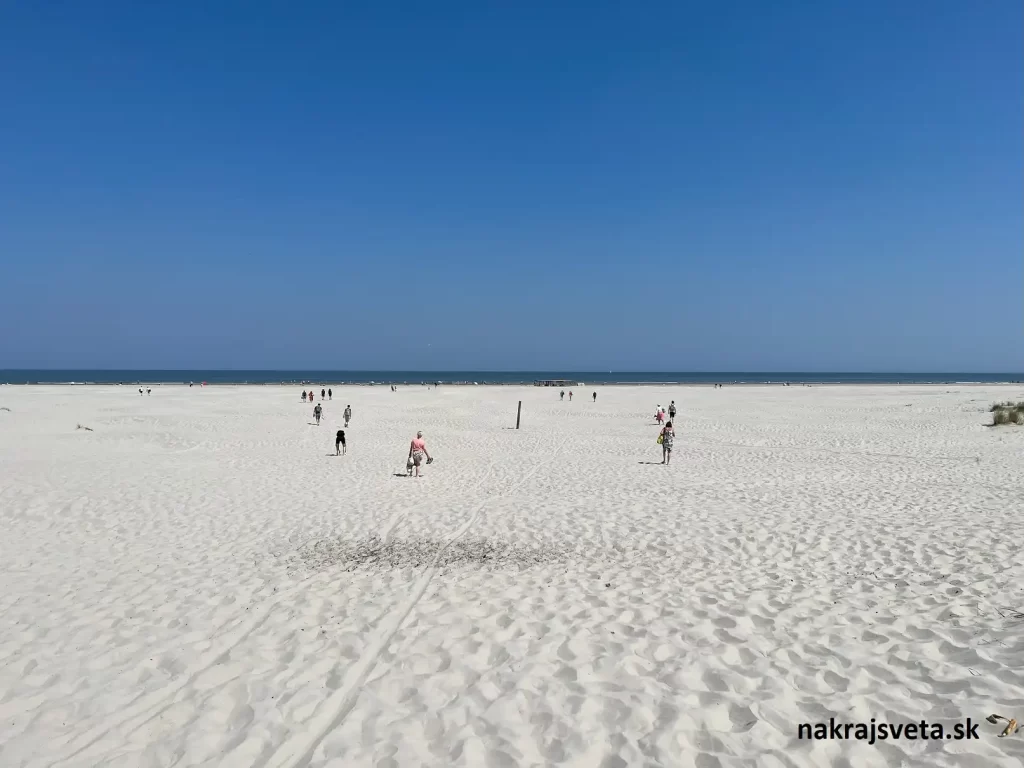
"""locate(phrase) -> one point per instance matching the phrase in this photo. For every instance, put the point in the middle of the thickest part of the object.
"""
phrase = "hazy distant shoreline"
(481, 378)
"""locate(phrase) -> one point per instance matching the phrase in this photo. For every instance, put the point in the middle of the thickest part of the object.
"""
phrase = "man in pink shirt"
(417, 450)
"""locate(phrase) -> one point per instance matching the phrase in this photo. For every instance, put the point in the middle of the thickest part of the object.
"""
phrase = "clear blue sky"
(673, 186)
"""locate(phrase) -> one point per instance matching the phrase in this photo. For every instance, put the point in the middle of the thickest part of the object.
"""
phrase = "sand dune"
(200, 581)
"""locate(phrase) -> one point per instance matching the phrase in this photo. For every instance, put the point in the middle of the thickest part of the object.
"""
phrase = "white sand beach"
(200, 581)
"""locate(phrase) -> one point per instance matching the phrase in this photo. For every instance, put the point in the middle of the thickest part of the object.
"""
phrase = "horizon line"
(510, 370)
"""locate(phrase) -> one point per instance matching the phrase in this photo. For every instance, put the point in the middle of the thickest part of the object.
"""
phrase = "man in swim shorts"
(417, 451)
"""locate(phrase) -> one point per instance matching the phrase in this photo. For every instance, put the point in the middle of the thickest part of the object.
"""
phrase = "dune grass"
(1007, 413)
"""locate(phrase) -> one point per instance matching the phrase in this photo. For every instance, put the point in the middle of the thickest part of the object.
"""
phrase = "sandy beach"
(198, 580)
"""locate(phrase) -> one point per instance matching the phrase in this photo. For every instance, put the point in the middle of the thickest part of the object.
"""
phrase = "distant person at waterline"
(317, 413)
(348, 415)
(417, 451)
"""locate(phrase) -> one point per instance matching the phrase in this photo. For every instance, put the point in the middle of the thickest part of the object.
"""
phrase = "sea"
(326, 377)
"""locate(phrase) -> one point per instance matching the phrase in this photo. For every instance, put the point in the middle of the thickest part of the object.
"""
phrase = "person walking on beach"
(658, 414)
(348, 415)
(330, 395)
(417, 450)
(339, 443)
(561, 395)
(317, 413)
(672, 409)
(570, 395)
(303, 395)
(595, 397)
(666, 437)
(148, 391)
(323, 395)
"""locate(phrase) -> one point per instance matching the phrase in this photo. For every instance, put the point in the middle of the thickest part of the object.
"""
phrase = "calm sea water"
(487, 377)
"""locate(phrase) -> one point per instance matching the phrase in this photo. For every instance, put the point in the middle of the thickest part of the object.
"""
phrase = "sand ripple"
(199, 581)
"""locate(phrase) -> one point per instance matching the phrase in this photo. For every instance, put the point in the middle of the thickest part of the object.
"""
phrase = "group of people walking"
(668, 433)
(318, 412)
(659, 413)
(325, 394)
(418, 453)
(340, 443)
(561, 395)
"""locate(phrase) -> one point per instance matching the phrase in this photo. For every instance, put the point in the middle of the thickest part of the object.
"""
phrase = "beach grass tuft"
(1007, 413)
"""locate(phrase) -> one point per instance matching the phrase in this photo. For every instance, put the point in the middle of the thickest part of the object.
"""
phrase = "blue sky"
(533, 186)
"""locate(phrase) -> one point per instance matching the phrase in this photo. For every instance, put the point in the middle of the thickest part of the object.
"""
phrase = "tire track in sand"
(146, 707)
(388, 530)
(299, 749)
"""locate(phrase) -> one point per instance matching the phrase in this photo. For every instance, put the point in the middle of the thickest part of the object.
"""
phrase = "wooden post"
(519, 412)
